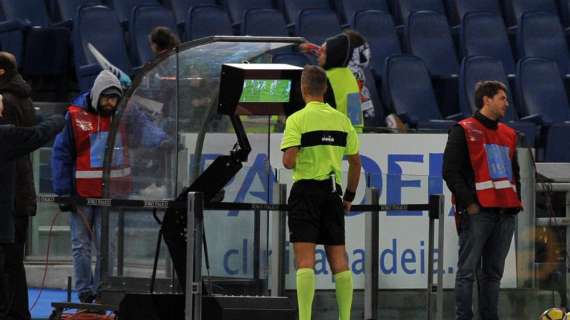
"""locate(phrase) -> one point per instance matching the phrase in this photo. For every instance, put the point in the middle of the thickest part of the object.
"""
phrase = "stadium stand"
(540, 91)
(404, 8)
(180, 9)
(514, 9)
(65, 10)
(124, 8)
(485, 34)
(316, 25)
(378, 28)
(99, 26)
(414, 101)
(459, 8)
(264, 22)
(293, 8)
(481, 68)
(206, 20)
(143, 20)
(349, 9)
(237, 8)
(533, 42)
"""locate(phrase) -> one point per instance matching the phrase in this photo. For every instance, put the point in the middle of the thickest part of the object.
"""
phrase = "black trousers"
(15, 274)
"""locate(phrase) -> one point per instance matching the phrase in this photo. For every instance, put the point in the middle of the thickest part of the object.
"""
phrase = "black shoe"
(86, 297)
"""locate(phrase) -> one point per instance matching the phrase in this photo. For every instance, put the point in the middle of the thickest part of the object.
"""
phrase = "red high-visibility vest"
(491, 152)
(90, 133)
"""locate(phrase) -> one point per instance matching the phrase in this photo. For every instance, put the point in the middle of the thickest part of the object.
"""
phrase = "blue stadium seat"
(459, 8)
(379, 30)
(429, 38)
(264, 22)
(207, 20)
(293, 8)
(316, 25)
(481, 68)
(564, 6)
(237, 8)
(124, 8)
(408, 90)
(143, 20)
(348, 9)
(540, 91)
(516, 8)
(379, 119)
(27, 33)
(404, 8)
(180, 9)
(485, 34)
(107, 37)
(67, 9)
(540, 34)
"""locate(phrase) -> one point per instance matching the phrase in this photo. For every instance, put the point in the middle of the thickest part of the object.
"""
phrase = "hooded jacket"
(64, 153)
(19, 111)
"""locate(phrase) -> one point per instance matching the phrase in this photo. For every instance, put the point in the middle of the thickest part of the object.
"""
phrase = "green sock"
(305, 292)
(343, 284)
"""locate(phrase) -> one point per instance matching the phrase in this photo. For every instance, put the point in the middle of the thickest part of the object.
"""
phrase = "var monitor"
(260, 89)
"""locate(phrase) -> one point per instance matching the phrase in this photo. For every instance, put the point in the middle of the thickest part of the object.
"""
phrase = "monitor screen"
(264, 90)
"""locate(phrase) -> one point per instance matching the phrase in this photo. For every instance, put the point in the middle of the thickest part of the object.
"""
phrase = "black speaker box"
(152, 307)
(171, 307)
(247, 307)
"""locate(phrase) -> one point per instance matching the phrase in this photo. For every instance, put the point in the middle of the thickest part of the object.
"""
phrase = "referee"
(315, 140)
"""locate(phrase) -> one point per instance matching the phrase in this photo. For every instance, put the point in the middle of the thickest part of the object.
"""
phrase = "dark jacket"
(16, 142)
(19, 111)
(457, 170)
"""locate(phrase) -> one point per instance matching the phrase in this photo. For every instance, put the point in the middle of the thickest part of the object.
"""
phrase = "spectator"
(162, 39)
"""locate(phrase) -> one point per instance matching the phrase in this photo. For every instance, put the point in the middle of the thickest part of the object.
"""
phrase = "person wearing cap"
(77, 170)
(336, 55)
(315, 141)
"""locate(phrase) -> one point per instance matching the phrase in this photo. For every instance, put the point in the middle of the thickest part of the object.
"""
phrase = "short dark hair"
(314, 80)
(163, 38)
(7, 61)
(487, 89)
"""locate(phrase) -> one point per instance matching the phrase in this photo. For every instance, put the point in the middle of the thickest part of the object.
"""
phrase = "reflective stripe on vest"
(347, 95)
(491, 152)
(117, 173)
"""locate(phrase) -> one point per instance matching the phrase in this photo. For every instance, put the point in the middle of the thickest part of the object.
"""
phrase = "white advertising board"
(413, 163)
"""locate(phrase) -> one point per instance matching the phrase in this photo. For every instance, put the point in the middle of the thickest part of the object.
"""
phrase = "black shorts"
(316, 214)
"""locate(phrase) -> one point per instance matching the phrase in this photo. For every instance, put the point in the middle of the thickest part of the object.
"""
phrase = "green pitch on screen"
(255, 90)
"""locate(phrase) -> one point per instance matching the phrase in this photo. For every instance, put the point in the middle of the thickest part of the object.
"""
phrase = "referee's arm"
(353, 178)
(290, 157)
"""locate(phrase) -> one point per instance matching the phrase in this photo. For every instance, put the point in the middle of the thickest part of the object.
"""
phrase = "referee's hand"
(347, 205)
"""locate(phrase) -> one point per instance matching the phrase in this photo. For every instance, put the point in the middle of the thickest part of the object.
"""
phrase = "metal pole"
(256, 243)
(194, 257)
(440, 249)
(371, 248)
(526, 220)
(430, 268)
(121, 243)
(278, 245)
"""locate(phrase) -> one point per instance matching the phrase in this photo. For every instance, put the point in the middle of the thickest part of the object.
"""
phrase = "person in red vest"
(481, 170)
(77, 170)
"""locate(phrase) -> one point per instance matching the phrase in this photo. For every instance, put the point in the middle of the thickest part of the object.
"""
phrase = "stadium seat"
(540, 34)
(143, 20)
(404, 8)
(515, 9)
(481, 68)
(180, 9)
(264, 22)
(484, 34)
(408, 90)
(293, 8)
(107, 37)
(459, 8)
(429, 38)
(67, 9)
(378, 120)
(540, 91)
(124, 8)
(27, 33)
(379, 30)
(237, 8)
(316, 25)
(348, 9)
(207, 20)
